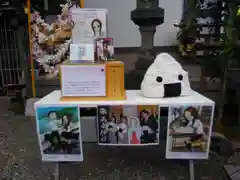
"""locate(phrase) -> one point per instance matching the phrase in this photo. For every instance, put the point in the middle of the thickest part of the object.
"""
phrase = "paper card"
(189, 132)
(59, 133)
(89, 24)
(81, 52)
(130, 125)
(83, 80)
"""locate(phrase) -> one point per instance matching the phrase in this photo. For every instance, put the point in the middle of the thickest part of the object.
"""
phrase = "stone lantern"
(147, 16)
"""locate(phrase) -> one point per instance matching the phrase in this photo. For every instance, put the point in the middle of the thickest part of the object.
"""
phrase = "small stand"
(191, 169)
(15, 95)
(56, 171)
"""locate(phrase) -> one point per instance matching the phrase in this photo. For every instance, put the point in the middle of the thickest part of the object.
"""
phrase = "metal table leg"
(56, 171)
(191, 170)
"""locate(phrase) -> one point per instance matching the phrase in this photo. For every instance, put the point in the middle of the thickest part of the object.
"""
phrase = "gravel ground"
(20, 159)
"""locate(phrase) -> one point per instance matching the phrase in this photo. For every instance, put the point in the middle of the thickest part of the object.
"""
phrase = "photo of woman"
(134, 132)
(128, 125)
(104, 49)
(122, 127)
(189, 131)
(59, 133)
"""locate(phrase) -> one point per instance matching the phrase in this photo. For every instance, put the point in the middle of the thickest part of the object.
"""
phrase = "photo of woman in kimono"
(134, 131)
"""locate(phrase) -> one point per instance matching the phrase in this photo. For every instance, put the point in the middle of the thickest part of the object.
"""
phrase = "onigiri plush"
(165, 78)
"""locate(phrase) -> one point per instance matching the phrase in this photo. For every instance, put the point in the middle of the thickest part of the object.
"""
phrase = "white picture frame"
(59, 133)
(90, 24)
(189, 139)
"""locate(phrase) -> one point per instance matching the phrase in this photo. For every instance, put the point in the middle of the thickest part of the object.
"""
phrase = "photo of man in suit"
(149, 127)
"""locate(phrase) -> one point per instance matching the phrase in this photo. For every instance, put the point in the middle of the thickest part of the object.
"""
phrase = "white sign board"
(83, 80)
(89, 24)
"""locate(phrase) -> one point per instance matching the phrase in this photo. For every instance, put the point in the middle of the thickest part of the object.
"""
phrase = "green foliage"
(214, 61)
(230, 36)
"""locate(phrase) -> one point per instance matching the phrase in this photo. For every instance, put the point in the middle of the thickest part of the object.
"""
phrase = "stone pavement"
(20, 159)
(233, 168)
(233, 171)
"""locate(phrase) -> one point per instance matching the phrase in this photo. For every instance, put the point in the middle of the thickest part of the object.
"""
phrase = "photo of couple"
(59, 133)
(128, 125)
(189, 129)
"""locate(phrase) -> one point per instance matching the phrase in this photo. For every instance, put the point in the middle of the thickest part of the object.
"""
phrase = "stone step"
(233, 172)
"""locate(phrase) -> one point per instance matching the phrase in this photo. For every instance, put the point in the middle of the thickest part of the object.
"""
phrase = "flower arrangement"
(50, 42)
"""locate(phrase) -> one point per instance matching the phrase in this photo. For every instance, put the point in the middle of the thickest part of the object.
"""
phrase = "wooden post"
(82, 3)
(30, 49)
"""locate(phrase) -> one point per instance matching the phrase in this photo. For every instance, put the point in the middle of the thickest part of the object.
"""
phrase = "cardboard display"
(115, 89)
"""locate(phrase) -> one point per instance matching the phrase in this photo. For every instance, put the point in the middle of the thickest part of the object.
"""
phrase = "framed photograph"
(189, 131)
(81, 53)
(59, 133)
(129, 125)
(104, 49)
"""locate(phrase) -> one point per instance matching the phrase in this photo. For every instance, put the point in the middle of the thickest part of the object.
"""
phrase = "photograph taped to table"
(59, 133)
(128, 125)
(189, 132)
